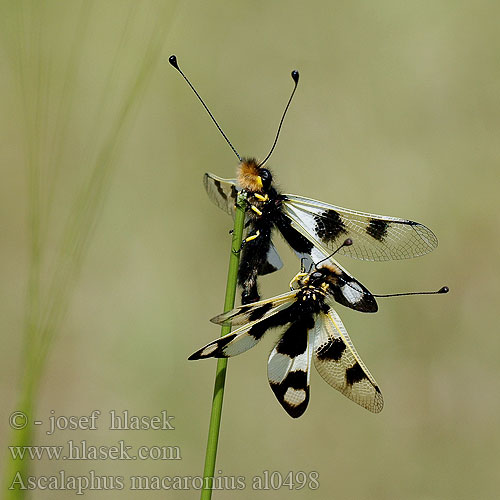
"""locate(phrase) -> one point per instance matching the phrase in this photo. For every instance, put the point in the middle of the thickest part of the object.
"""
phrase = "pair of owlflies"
(312, 331)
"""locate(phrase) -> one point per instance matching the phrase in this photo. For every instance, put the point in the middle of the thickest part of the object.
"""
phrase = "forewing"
(339, 364)
(223, 192)
(288, 368)
(232, 344)
(257, 311)
(248, 335)
(375, 237)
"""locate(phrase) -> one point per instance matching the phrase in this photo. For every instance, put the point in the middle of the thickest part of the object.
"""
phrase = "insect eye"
(266, 177)
(316, 275)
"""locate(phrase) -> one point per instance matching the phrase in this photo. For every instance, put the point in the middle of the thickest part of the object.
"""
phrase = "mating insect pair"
(311, 327)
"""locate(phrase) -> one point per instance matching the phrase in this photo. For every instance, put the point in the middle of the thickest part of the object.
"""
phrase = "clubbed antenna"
(443, 289)
(347, 243)
(295, 76)
(173, 61)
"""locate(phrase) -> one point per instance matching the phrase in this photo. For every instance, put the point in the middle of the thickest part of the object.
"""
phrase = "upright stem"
(220, 374)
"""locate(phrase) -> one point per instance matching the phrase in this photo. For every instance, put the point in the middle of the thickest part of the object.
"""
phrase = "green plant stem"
(220, 374)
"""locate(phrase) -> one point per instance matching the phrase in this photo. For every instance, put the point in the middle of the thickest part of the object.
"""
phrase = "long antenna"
(443, 289)
(173, 61)
(347, 243)
(295, 76)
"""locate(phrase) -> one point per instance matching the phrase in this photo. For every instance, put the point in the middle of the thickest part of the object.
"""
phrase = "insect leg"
(296, 278)
(249, 238)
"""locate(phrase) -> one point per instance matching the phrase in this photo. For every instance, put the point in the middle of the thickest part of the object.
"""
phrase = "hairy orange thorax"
(248, 175)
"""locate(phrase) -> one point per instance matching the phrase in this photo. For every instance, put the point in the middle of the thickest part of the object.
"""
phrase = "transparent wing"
(288, 368)
(257, 319)
(223, 192)
(232, 344)
(339, 364)
(375, 237)
(256, 311)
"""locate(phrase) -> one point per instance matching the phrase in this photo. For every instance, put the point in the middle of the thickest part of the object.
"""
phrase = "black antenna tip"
(445, 289)
(295, 76)
(173, 61)
(347, 243)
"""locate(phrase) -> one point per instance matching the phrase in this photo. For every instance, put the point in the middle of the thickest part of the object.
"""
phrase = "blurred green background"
(103, 148)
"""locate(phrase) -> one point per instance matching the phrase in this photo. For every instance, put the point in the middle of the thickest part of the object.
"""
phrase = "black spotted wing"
(223, 192)
(256, 311)
(338, 363)
(288, 367)
(256, 319)
(375, 237)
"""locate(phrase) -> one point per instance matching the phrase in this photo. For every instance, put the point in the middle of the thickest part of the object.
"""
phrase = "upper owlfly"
(312, 228)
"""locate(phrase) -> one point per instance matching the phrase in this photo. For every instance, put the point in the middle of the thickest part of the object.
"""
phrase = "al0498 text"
(293, 480)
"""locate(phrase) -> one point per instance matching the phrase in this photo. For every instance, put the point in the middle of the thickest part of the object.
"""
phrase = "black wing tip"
(207, 176)
(295, 412)
(280, 390)
(199, 355)
(367, 304)
(378, 402)
(214, 349)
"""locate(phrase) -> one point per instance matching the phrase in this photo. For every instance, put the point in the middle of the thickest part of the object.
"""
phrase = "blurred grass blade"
(47, 305)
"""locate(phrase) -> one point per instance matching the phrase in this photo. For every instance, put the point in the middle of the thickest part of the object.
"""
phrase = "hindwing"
(340, 366)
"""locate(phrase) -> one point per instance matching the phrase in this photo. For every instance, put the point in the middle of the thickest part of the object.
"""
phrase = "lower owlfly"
(312, 331)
